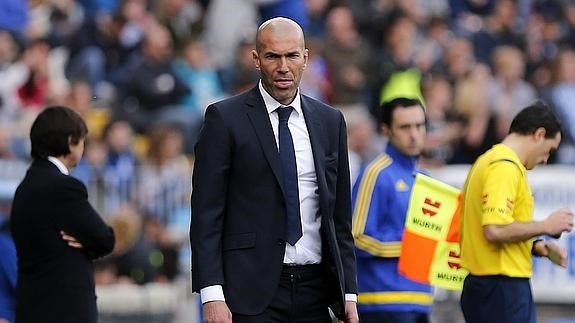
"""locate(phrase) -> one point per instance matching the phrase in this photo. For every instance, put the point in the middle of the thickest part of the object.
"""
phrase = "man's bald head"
(281, 57)
(278, 25)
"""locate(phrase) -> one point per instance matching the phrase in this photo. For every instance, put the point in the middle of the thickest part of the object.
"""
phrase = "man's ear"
(255, 59)
(540, 133)
(385, 130)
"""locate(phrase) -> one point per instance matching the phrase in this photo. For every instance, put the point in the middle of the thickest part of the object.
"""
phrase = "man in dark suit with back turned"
(56, 231)
(271, 226)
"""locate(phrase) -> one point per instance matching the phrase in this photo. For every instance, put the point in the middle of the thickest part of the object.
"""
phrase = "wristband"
(533, 247)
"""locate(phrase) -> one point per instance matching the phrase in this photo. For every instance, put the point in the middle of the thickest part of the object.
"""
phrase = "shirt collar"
(403, 159)
(59, 164)
(272, 104)
(511, 154)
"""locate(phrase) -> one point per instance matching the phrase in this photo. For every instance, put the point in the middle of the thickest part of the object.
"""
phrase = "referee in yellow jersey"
(497, 227)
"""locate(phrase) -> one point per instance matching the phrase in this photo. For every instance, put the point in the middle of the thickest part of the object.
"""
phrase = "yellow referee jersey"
(496, 192)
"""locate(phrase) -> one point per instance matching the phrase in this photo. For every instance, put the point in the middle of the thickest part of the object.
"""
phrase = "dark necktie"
(289, 171)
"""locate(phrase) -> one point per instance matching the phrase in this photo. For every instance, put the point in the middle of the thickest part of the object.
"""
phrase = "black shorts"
(497, 299)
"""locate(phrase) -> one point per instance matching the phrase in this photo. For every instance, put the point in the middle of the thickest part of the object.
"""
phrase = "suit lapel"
(260, 120)
(316, 136)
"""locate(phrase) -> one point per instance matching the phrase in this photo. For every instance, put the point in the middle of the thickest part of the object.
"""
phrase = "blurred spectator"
(508, 91)
(99, 7)
(143, 252)
(165, 254)
(91, 170)
(569, 12)
(97, 52)
(241, 20)
(467, 15)
(538, 51)
(13, 74)
(152, 85)
(293, 9)
(108, 168)
(420, 11)
(154, 91)
(65, 18)
(122, 159)
(241, 75)
(183, 18)
(317, 12)
(315, 78)
(459, 60)
(8, 273)
(396, 60)
(5, 142)
(165, 174)
(500, 28)
(42, 83)
(362, 140)
(435, 43)
(443, 131)
(138, 20)
(13, 16)
(479, 133)
(131, 261)
(82, 100)
(371, 17)
(433, 8)
(348, 59)
(562, 96)
(196, 69)
(34, 93)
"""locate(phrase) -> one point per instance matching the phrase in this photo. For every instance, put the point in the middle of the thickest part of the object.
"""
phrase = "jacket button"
(281, 242)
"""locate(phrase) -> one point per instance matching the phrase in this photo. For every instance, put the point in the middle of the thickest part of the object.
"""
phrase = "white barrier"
(553, 187)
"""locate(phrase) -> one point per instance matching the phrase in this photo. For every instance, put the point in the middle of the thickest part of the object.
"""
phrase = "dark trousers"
(394, 317)
(497, 299)
(300, 297)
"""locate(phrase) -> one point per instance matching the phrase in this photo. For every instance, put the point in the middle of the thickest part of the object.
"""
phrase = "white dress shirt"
(307, 249)
(63, 169)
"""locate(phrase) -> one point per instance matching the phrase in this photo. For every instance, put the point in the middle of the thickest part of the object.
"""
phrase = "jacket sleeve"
(371, 206)
(80, 220)
(209, 195)
(342, 213)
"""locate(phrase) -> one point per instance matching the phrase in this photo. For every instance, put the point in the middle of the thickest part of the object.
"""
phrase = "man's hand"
(551, 250)
(217, 312)
(556, 253)
(351, 315)
(72, 242)
(558, 222)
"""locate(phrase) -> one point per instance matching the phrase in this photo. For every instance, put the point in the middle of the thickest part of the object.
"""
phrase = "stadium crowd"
(141, 73)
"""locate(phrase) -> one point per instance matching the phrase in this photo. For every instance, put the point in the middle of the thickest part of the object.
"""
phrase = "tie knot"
(284, 113)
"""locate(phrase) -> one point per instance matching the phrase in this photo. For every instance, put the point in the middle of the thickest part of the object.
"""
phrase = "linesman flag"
(430, 244)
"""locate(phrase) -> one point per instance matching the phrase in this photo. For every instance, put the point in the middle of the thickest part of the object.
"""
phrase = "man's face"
(407, 130)
(76, 152)
(281, 60)
(543, 148)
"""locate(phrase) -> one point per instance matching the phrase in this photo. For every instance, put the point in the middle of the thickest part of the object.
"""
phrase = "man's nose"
(283, 65)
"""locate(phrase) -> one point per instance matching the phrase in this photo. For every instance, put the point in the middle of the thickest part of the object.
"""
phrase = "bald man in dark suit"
(271, 226)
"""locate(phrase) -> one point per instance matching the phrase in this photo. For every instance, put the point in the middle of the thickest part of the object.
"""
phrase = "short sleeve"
(499, 193)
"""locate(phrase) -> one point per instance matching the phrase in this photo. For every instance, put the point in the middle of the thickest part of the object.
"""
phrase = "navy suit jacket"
(238, 207)
(55, 281)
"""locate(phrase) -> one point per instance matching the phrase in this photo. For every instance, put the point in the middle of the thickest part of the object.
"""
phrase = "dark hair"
(387, 108)
(52, 130)
(538, 115)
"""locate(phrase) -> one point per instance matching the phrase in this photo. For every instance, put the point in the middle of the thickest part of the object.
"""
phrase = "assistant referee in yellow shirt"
(497, 227)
